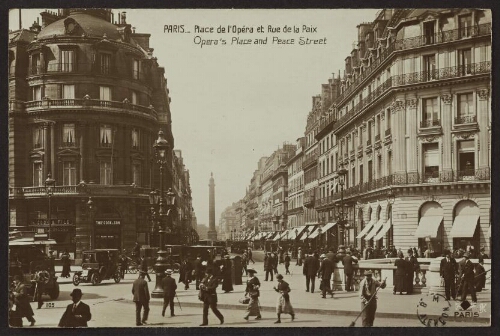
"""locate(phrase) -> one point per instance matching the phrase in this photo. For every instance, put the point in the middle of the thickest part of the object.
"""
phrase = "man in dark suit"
(144, 267)
(310, 269)
(268, 266)
(198, 271)
(468, 279)
(77, 314)
(447, 270)
(209, 296)
(140, 291)
(325, 272)
(169, 287)
(348, 263)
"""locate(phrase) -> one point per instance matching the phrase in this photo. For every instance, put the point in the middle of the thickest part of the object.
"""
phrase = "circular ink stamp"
(433, 310)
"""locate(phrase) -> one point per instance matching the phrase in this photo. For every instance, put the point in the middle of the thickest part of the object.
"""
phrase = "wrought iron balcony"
(387, 132)
(430, 123)
(468, 119)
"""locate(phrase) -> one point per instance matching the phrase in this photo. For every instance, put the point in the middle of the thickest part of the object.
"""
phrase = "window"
(370, 170)
(68, 135)
(377, 125)
(69, 173)
(36, 64)
(430, 67)
(465, 109)
(136, 174)
(369, 131)
(430, 112)
(360, 174)
(464, 62)
(105, 136)
(134, 97)
(105, 172)
(389, 163)
(67, 60)
(465, 25)
(388, 122)
(466, 156)
(38, 137)
(68, 92)
(105, 63)
(429, 33)
(353, 176)
(37, 174)
(105, 93)
(135, 138)
(431, 162)
(135, 69)
(37, 92)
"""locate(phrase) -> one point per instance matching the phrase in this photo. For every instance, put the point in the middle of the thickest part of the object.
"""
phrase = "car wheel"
(117, 277)
(54, 293)
(94, 279)
(76, 279)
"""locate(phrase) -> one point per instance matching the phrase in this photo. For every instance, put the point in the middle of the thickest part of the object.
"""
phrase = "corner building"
(86, 101)
(413, 119)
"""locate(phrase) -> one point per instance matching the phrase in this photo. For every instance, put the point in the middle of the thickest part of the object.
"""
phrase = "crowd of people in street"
(458, 278)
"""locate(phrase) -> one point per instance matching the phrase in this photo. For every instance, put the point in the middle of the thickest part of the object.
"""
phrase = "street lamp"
(49, 190)
(90, 212)
(161, 147)
(341, 219)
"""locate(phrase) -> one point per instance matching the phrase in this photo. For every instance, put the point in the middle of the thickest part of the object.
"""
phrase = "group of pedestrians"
(406, 268)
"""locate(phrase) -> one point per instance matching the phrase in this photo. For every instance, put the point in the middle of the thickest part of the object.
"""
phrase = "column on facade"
(46, 147)
(83, 173)
(397, 108)
(411, 114)
(446, 123)
(483, 122)
(52, 128)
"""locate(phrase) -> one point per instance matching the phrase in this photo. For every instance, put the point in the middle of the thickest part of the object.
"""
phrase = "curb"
(336, 312)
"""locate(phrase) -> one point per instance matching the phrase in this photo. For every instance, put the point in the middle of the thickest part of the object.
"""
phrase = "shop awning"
(286, 234)
(464, 226)
(312, 229)
(375, 229)
(366, 229)
(428, 226)
(383, 231)
(324, 229)
(278, 236)
(299, 229)
(257, 236)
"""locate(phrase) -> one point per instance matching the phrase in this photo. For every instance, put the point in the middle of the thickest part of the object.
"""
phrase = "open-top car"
(98, 265)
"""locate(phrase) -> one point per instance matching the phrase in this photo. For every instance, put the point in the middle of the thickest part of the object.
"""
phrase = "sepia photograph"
(248, 168)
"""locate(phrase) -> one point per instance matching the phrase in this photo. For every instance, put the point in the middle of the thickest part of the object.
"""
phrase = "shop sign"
(107, 222)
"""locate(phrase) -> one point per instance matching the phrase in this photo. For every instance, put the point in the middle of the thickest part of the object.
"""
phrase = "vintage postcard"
(249, 167)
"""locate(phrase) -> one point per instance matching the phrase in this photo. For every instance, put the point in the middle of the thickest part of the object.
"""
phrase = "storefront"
(108, 233)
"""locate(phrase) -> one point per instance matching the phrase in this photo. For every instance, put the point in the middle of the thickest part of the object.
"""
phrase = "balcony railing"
(448, 176)
(387, 132)
(94, 189)
(409, 43)
(430, 123)
(86, 103)
(310, 159)
(377, 137)
(88, 68)
(468, 119)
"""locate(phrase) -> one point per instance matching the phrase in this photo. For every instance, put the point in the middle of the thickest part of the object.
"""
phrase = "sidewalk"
(343, 303)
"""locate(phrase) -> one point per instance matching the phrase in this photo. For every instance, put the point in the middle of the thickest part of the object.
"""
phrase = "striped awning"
(383, 231)
(324, 229)
(366, 229)
(299, 229)
(375, 229)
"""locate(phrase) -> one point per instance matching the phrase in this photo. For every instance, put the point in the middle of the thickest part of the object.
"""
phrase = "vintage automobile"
(27, 259)
(175, 255)
(98, 265)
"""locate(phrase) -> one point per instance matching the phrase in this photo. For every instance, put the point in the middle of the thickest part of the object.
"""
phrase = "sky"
(233, 103)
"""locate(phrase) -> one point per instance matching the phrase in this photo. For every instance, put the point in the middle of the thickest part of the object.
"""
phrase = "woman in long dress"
(66, 263)
(283, 306)
(252, 290)
(227, 284)
(400, 275)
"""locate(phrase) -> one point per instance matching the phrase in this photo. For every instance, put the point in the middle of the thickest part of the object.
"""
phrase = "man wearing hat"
(140, 291)
(169, 286)
(348, 263)
(325, 273)
(209, 296)
(310, 269)
(448, 270)
(77, 314)
(199, 272)
(468, 279)
(367, 289)
(268, 266)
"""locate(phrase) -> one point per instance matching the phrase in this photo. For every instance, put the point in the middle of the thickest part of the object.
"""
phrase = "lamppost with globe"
(49, 190)
(341, 221)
